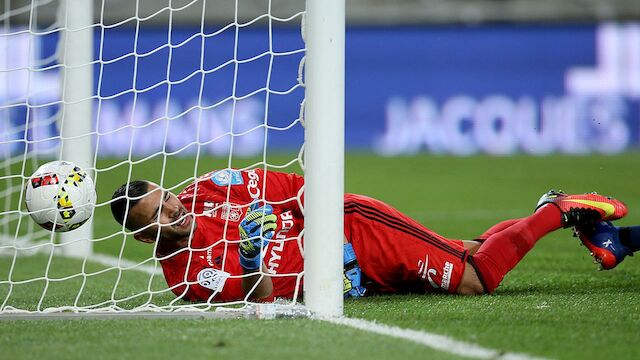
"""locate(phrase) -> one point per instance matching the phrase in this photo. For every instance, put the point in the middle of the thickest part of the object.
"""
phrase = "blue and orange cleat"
(603, 241)
(584, 209)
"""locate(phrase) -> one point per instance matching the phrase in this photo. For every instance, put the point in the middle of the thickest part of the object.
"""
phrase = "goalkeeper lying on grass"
(210, 236)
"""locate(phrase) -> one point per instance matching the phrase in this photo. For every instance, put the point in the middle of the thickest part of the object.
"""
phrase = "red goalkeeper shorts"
(396, 253)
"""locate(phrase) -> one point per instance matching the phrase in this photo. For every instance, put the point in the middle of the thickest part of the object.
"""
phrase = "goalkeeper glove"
(259, 224)
(352, 277)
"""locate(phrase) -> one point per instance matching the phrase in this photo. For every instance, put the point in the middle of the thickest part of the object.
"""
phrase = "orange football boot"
(584, 208)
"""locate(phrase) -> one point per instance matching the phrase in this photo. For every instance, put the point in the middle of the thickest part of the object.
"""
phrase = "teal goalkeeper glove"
(352, 276)
(259, 224)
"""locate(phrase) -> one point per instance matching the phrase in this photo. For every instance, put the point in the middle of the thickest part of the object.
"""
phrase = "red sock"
(497, 228)
(503, 250)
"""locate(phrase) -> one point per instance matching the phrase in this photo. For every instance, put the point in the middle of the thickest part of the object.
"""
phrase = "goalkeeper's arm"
(265, 285)
(256, 229)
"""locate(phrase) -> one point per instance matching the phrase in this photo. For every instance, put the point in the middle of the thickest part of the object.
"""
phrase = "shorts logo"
(226, 177)
(425, 273)
(446, 275)
(212, 279)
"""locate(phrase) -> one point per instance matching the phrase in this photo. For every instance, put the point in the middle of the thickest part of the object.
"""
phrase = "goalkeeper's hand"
(352, 276)
(258, 224)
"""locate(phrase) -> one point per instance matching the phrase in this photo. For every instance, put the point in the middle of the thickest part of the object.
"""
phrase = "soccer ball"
(60, 196)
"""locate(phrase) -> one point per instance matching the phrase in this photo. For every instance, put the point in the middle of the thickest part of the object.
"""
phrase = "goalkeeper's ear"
(140, 236)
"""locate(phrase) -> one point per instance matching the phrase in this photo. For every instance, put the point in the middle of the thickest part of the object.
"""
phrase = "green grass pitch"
(554, 304)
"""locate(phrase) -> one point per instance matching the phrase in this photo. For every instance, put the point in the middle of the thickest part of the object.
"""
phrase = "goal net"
(165, 91)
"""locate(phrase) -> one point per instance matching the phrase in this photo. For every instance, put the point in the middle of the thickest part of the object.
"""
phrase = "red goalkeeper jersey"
(396, 253)
(209, 268)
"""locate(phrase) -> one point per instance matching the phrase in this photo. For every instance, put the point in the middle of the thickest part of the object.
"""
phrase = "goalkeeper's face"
(160, 210)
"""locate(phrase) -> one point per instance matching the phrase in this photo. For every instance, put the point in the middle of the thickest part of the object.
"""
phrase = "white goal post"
(324, 155)
(76, 50)
(54, 103)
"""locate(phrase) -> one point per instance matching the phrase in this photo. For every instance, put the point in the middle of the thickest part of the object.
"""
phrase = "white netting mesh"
(176, 92)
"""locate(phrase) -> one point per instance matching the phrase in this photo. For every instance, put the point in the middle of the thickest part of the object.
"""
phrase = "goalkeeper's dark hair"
(136, 189)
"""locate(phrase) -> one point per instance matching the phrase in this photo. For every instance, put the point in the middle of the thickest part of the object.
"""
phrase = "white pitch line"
(44, 247)
(113, 261)
(435, 341)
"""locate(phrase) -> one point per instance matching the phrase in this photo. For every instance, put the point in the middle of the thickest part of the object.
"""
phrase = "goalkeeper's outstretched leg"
(398, 255)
